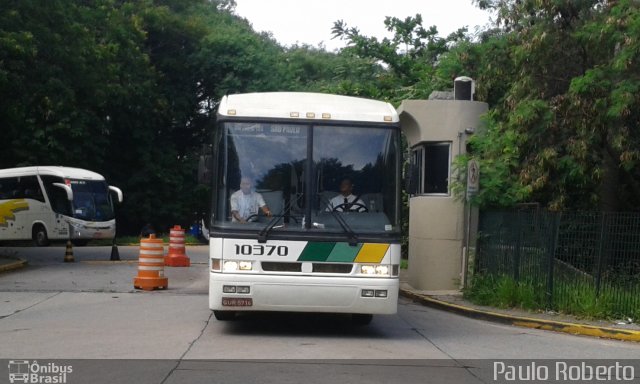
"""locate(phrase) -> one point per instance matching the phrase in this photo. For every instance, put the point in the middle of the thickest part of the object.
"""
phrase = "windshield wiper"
(262, 235)
(264, 232)
(353, 238)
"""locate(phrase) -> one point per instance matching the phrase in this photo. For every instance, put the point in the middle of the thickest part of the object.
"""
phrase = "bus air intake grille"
(271, 266)
(332, 268)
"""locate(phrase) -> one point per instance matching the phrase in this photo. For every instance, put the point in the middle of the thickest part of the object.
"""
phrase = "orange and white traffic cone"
(151, 265)
(176, 257)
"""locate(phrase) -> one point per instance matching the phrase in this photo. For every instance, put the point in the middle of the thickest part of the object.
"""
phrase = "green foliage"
(562, 82)
(129, 89)
(505, 292)
(574, 296)
(408, 60)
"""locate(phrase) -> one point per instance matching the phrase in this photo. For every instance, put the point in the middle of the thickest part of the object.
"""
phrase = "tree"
(410, 57)
(127, 89)
(561, 83)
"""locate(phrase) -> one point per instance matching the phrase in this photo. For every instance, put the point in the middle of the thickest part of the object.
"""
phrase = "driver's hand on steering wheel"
(239, 218)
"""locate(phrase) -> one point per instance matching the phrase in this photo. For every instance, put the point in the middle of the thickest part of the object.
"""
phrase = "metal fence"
(569, 258)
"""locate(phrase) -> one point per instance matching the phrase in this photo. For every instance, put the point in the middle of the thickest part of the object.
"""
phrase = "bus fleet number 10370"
(261, 250)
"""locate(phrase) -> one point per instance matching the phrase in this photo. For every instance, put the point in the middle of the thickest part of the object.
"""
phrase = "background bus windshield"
(91, 200)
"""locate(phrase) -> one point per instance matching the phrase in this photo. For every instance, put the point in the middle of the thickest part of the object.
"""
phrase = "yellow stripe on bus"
(7, 210)
(371, 253)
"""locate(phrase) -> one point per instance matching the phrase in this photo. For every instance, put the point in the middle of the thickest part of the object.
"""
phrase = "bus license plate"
(237, 302)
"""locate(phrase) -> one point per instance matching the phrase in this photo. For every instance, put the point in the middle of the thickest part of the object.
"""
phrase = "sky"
(310, 22)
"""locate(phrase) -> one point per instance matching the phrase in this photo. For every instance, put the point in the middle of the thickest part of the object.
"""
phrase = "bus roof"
(65, 172)
(303, 105)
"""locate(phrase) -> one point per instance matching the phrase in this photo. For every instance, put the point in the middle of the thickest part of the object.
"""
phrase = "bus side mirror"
(117, 191)
(66, 188)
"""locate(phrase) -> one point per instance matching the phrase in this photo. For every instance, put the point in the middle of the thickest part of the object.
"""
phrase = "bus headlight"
(375, 270)
(233, 265)
(230, 266)
(367, 269)
(245, 265)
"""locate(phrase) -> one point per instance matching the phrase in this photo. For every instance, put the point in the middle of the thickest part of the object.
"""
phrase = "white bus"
(328, 169)
(55, 203)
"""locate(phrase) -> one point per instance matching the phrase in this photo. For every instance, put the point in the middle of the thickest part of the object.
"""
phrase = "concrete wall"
(438, 120)
(437, 223)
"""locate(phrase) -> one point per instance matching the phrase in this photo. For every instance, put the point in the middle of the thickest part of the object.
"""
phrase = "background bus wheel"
(80, 243)
(361, 318)
(224, 315)
(39, 235)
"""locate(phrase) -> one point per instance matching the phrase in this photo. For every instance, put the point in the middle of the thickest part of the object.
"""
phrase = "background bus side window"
(57, 196)
(30, 188)
(8, 187)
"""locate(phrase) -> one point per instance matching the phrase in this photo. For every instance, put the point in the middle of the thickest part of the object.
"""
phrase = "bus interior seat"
(325, 198)
(376, 199)
(274, 201)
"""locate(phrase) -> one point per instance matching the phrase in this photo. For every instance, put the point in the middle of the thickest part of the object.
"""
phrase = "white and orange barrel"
(176, 257)
(151, 265)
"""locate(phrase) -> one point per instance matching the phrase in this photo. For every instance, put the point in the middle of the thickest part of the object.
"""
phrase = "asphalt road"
(90, 310)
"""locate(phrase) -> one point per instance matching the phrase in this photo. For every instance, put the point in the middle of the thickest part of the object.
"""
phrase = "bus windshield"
(304, 177)
(91, 200)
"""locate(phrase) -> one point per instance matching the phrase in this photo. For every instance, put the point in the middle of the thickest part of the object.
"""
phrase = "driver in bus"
(346, 201)
(246, 202)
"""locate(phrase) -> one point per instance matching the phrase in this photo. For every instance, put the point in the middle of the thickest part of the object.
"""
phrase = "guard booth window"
(431, 168)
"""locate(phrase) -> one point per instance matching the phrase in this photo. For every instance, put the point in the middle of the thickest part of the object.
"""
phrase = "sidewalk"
(453, 301)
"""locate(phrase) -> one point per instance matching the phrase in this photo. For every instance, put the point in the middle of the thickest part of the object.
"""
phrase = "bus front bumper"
(88, 231)
(303, 293)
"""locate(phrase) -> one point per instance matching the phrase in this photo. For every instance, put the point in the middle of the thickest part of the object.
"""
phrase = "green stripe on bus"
(344, 253)
(316, 251)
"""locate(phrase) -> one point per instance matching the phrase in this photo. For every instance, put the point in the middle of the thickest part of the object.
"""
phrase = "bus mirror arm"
(66, 188)
(117, 191)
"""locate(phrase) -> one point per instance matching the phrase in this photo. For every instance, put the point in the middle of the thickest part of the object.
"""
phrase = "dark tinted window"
(91, 200)
(30, 188)
(24, 187)
(8, 187)
(436, 170)
(430, 168)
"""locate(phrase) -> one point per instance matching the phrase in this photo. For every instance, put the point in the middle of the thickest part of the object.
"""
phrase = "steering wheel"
(359, 207)
(251, 217)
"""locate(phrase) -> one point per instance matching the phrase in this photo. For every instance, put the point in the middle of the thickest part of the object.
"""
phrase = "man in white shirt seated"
(245, 203)
(346, 201)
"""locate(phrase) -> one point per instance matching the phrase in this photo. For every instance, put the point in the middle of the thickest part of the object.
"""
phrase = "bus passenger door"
(58, 207)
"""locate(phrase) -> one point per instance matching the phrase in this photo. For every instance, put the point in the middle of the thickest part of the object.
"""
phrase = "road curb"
(527, 322)
(18, 263)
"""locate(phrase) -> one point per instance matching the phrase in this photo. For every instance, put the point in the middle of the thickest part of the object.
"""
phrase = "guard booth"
(437, 131)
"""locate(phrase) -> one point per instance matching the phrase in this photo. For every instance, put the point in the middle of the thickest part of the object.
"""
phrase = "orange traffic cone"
(176, 257)
(151, 265)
